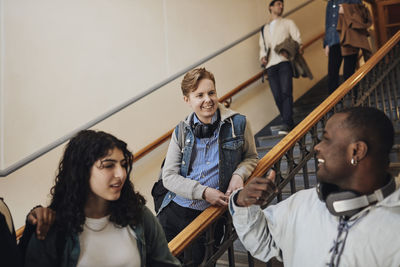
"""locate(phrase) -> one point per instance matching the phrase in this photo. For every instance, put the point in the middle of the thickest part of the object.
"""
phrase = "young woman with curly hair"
(100, 219)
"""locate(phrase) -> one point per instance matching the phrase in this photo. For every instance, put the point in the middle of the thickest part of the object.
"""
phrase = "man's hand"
(341, 10)
(327, 50)
(301, 50)
(264, 61)
(235, 183)
(43, 218)
(257, 191)
(284, 54)
(215, 197)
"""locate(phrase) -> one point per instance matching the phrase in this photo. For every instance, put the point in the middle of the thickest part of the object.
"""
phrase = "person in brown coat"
(354, 21)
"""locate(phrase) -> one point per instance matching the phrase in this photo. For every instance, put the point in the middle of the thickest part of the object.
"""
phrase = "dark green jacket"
(151, 242)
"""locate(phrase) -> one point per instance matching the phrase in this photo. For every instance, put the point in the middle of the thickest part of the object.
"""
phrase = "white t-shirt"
(274, 57)
(104, 244)
(271, 26)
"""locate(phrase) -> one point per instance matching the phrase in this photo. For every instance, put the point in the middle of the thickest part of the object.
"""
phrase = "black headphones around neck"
(348, 203)
(205, 130)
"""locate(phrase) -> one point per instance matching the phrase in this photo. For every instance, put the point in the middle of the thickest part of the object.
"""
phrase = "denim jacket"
(237, 155)
(151, 243)
(331, 20)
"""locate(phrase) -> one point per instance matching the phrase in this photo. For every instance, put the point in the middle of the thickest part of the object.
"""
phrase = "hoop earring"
(353, 162)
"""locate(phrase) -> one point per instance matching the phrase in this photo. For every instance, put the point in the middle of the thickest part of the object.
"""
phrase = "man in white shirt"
(277, 65)
(352, 217)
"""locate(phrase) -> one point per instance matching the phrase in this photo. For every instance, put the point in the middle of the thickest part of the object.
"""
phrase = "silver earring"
(353, 161)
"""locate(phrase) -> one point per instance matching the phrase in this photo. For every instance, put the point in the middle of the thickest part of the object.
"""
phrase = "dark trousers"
(281, 83)
(174, 218)
(334, 61)
(349, 67)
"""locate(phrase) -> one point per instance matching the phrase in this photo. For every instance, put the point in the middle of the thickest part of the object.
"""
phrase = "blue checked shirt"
(204, 167)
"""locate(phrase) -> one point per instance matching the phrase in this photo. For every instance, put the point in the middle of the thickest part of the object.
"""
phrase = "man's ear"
(359, 150)
(185, 98)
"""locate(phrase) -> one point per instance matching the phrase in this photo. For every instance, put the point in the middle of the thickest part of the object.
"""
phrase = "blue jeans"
(280, 81)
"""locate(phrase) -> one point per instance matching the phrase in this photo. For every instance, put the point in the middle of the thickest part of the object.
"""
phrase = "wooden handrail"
(150, 147)
(19, 232)
(200, 224)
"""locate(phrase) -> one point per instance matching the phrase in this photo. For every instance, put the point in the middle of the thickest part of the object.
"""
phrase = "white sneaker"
(284, 130)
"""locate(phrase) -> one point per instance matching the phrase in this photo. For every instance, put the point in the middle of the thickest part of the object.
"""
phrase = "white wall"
(1, 89)
(63, 63)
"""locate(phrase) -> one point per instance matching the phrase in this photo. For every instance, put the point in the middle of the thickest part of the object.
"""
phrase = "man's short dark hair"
(273, 2)
(374, 128)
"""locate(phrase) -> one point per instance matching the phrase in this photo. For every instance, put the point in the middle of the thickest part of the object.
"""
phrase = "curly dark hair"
(71, 189)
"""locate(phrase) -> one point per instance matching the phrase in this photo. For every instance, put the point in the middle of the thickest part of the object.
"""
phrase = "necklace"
(96, 225)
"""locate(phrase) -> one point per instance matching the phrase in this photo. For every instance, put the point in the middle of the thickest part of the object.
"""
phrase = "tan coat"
(353, 27)
(297, 61)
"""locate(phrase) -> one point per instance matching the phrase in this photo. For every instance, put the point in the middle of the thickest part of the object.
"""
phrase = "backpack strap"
(262, 34)
(266, 54)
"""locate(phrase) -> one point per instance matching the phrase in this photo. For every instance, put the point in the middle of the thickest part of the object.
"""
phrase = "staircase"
(268, 137)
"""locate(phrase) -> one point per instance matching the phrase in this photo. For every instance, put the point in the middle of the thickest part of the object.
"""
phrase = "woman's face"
(108, 175)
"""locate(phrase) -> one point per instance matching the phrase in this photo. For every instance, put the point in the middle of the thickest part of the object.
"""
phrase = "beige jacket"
(297, 61)
(353, 29)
